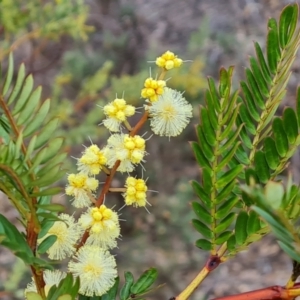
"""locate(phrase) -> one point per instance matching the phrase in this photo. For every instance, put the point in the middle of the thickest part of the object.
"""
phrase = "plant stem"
(270, 293)
(211, 264)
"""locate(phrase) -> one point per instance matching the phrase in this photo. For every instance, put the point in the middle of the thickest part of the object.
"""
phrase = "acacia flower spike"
(81, 187)
(92, 161)
(170, 114)
(67, 233)
(135, 192)
(103, 225)
(96, 269)
(152, 89)
(117, 112)
(168, 61)
(129, 150)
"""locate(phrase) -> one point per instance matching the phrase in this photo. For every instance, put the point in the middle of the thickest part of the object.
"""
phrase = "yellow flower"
(67, 233)
(117, 112)
(129, 150)
(103, 225)
(50, 277)
(135, 192)
(92, 161)
(81, 187)
(152, 89)
(96, 268)
(168, 61)
(170, 114)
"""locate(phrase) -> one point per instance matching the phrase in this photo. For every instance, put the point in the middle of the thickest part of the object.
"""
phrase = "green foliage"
(240, 140)
(30, 155)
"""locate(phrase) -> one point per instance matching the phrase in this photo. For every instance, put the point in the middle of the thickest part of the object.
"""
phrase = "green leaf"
(287, 24)
(207, 180)
(33, 296)
(262, 62)
(54, 207)
(253, 224)
(274, 193)
(202, 228)
(64, 297)
(224, 223)
(208, 130)
(201, 159)
(50, 191)
(214, 94)
(46, 133)
(223, 237)
(211, 111)
(45, 226)
(201, 194)
(281, 140)
(206, 148)
(271, 154)
(204, 244)
(29, 106)
(229, 176)
(290, 124)
(53, 148)
(273, 51)
(112, 293)
(226, 207)
(125, 290)
(47, 243)
(38, 119)
(244, 134)
(250, 101)
(24, 94)
(229, 126)
(241, 228)
(225, 191)
(202, 213)
(290, 252)
(144, 282)
(231, 242)
(241, 155)
(255, 89)
(228, 157)
(223, 86)
(259, 78)
(18, 84)
(246, 118)
(30, 148)
(9, 74)
(53, 164)
(261, 167)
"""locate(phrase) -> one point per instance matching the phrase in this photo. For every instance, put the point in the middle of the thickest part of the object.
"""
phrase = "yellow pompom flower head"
(152, 89)
(117, 112)
(168, 61)
(92, 161)
(96, 269)
(135, 192)
(170, 114)
(103, 225)
(81, 187)
(130, 150)
(67, 233)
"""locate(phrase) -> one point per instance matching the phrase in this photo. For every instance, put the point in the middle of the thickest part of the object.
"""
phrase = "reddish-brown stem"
(275, 292)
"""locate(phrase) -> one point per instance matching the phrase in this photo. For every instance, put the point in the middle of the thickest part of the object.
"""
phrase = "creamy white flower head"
(129, 150)
(81, 187)
(103, 225)
(92, 161)
(135, 192)
(96, 268)
(50, 277)
(117, 112)
(170, 114)
(67, 233)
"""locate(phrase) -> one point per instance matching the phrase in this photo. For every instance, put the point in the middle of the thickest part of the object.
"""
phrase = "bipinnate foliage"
(240, 138)
(30, 158)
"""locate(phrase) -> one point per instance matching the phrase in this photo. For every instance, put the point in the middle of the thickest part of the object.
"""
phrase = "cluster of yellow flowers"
(169, 114)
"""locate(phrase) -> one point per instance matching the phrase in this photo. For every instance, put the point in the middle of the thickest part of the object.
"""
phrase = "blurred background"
(83, 53)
